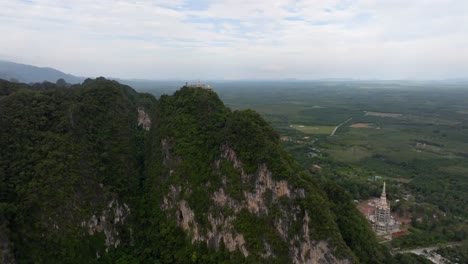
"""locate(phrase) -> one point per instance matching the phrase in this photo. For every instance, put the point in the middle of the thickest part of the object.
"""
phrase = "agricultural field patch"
(361, 125)
(381, 114)
(419, 119)
(324, 130)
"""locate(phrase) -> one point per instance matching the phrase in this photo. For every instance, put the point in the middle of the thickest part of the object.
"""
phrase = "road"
(426, 252)
(336, 128)
(434, 247)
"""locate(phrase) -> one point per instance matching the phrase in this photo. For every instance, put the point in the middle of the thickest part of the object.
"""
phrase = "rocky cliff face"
(247, 206)
(143, 119)
(107, 222)
(258, 200)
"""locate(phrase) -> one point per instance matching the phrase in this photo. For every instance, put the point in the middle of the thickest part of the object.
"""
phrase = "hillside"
(30, 74)
(100, 173)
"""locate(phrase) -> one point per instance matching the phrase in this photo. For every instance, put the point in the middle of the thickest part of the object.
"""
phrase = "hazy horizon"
(239, 80)
(240, 40)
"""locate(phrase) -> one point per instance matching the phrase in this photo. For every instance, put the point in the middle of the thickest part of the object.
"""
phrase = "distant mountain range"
(17, 72)
(12, 71)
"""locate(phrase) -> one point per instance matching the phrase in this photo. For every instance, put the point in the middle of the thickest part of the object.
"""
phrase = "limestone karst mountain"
(100, 173)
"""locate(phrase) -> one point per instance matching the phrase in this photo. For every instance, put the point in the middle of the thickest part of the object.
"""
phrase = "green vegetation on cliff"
(65, 154)
(83, 181)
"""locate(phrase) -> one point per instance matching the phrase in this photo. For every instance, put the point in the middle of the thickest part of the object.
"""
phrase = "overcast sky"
(239, 39)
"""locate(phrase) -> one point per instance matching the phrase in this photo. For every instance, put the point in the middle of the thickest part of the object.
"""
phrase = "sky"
(239, 39)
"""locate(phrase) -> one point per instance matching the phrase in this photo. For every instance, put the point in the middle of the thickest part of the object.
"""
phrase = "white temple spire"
(381, 220)
(383, 197)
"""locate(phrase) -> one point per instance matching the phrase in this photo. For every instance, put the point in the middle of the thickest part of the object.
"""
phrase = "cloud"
(240, 38)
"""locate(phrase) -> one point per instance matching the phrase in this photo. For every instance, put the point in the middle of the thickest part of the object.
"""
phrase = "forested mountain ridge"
(100, 173)
(30, 74)
(69, 160)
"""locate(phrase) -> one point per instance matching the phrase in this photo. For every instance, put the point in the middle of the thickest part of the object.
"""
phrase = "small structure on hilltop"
(198, 85)
(381, 220)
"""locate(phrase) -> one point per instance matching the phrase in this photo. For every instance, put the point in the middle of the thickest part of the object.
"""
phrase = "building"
(381, 220)
(198, 85)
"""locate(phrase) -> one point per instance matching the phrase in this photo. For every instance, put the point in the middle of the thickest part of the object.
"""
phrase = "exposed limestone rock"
(258, 201)
(263, 183)
(115, 214)
(302, 248)
(186, 219)
(143, 119)
(282, 227)
(310, 251)
(269, 250)
(263, 180)
(221, 228)
(230, 155)
(184, 215)
(168, 200)
(222, 199)
(282, 189)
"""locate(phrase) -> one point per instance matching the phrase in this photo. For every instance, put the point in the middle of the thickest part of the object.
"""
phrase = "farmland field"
(361, 125)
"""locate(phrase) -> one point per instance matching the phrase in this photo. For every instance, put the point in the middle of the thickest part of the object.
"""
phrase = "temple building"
(381, 220)
(198, 85)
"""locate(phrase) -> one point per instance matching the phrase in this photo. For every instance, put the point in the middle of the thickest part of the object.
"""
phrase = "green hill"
(100, 173)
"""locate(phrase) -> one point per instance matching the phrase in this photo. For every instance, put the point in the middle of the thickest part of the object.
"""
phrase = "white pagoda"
(381, 220)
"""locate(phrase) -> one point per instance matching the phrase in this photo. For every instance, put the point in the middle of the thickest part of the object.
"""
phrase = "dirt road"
(336, 128)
